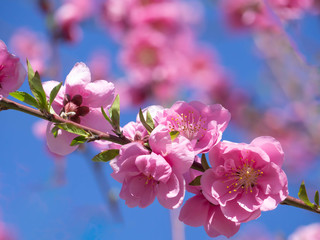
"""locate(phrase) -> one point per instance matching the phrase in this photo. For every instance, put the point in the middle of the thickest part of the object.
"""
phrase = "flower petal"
(171, 194)
(234, 212)
(76, 80)
(195, 211)
(60, 144)
(99, 93)
(272, 147)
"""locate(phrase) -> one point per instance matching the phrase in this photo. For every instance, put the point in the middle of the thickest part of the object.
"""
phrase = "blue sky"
(37, 208)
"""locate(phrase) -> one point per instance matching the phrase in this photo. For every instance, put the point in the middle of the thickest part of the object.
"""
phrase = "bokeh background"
(268, 77)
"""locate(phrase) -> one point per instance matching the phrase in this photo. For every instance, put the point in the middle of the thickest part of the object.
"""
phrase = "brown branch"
(6, 104)
(291, 201)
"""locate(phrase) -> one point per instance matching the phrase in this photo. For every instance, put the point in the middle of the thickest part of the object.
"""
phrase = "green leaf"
(106, 116)
(114, 112)
(36, 88)
(204, 162)
(196, 181)
(143, 121)
(150, 120)
(316, 198)
(73, 129)
(303, 195)
(106, 155)
(26, 98)
(78, 140)
(54, 93)
(174, 135)
(55, 131)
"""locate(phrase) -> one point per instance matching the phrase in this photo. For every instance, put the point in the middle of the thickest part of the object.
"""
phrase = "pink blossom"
(201, 124)
(246, 179)
(79, 100)
(158, 174)
(33, 46)
(198, 211)
(12, 73)
(309, 232)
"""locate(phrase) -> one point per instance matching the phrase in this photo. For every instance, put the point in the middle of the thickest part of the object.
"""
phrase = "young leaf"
(105, 115)
(143, 121)
(106, 155)
(114, 112)
(196, 181)
(36, 87)
(174, 135)
(73, 129)
(316, 198)
(55, 131)
(26, 98)
(30, 71)
(204, 162)
(303, 195)
(54, 93)
(150, 120)
(78, 140)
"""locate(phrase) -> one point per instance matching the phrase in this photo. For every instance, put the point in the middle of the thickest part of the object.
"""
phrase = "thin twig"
(6, 104)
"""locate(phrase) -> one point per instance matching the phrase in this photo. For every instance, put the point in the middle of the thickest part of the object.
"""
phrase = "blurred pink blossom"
(68, 18)
(247, 14)
(309, 232)
(290, 9)
(6, 233)
(99, 64)
(12, 73)
(167, 16)
(32, 46)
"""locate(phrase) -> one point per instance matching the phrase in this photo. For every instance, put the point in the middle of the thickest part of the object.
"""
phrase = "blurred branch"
(108, 196)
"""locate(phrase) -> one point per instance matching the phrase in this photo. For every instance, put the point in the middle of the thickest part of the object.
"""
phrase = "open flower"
(12, 73)
(79, 100)
(246, 179)
(201, 124)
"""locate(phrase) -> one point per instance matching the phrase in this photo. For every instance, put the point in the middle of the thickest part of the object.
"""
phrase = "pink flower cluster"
(160, 53)
(244, 179)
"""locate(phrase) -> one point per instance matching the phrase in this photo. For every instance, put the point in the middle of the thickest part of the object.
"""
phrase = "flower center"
(244, 177)
(72, 108)
(188, 125)
(148, 56)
